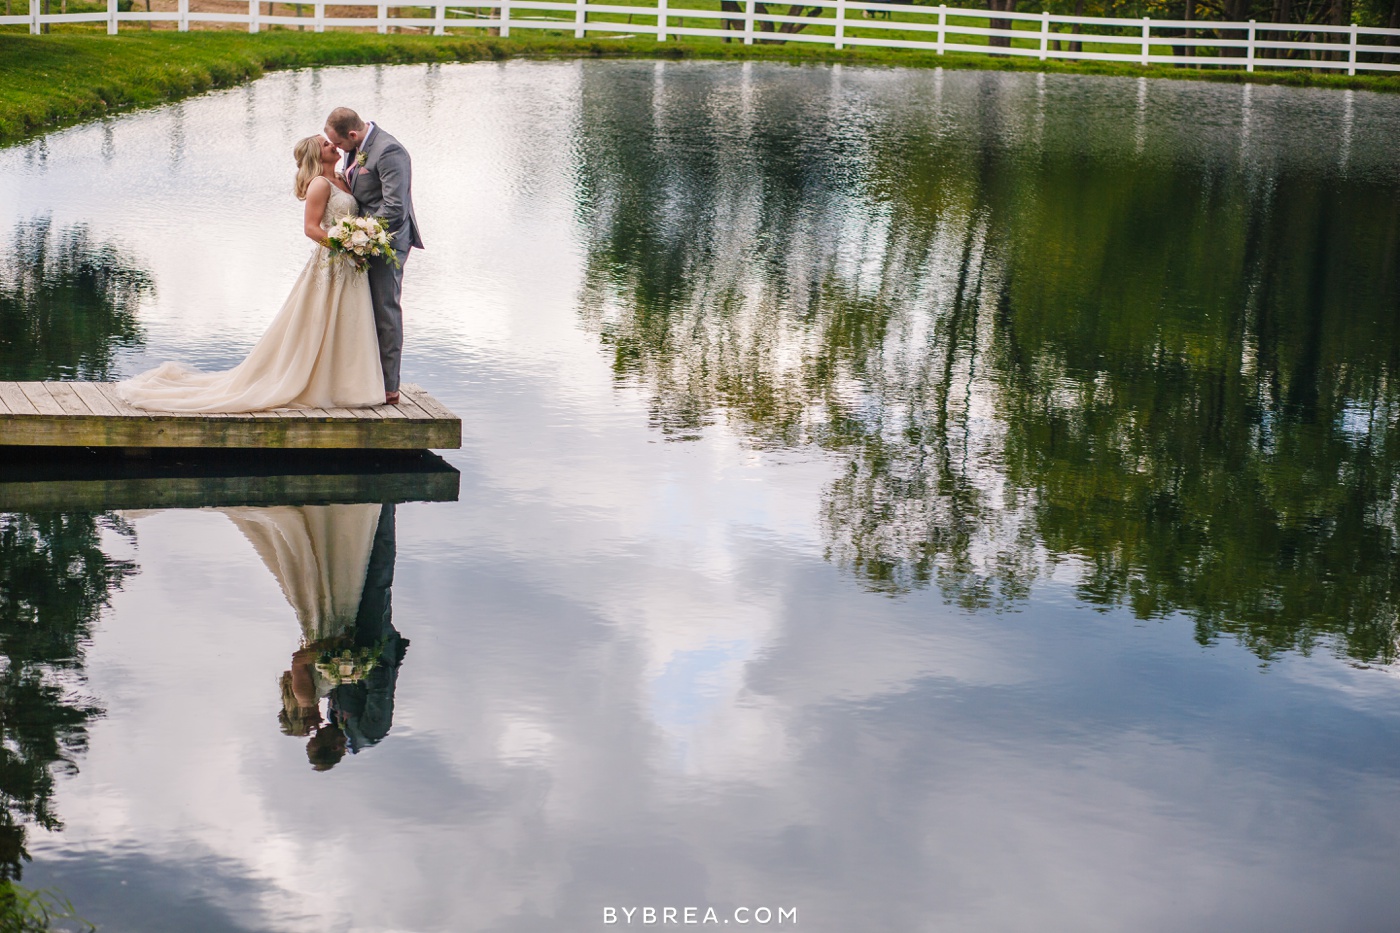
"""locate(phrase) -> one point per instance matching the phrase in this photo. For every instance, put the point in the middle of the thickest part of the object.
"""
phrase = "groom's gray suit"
(383, 186)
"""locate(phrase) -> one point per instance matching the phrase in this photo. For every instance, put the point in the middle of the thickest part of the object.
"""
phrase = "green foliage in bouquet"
(361, 239)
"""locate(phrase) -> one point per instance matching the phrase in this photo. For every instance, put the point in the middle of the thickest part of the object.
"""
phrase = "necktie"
(350, 165)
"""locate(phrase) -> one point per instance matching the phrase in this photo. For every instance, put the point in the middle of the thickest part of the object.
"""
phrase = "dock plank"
(39, 396)
(352, 413)
(77, 414)
(390, 413)
(429, 404)
(109, 392)
(96, 401)
(411, 410)
(16, 400)
(67, 399)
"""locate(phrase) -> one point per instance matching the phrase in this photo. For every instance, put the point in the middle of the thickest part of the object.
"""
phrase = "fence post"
(111, 16)
(580, 18)
(942, 26)
(1146, 40)
(505, 19)
(382, 26)
(440, 18)
(1044, 34)
(1249, 49)
(840, 36)
(748, 22)
(320, 21)
(661, 20)
(253, 15)
(184, 25)
(1351, 52)
(34, 17)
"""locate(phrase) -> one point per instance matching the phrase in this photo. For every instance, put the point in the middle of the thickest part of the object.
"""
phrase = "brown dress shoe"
(391, 398)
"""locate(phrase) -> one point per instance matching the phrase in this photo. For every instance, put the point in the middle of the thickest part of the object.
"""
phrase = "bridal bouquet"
(347, 666)
(360, 239)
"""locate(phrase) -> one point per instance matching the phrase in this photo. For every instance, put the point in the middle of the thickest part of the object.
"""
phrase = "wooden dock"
(55, 479)
(90, 414)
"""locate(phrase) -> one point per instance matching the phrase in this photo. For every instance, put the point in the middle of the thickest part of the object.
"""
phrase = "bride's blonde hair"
(308, 156)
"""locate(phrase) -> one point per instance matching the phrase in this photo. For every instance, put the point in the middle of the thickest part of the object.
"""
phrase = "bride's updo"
(308, 156)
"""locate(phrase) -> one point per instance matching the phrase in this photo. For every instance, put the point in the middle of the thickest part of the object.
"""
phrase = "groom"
(380, 176)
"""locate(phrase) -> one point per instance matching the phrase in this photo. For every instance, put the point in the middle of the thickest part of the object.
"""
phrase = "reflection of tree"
(1160, 375)
(67, 304)
(1219, 442)
(54, 579)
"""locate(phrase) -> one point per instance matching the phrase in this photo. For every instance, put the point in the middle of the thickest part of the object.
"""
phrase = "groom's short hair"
(343, 120)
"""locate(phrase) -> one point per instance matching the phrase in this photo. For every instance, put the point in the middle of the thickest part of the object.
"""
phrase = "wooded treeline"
(1383, 13)
(1304, 13)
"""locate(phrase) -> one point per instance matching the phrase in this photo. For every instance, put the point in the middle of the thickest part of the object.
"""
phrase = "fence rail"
(838, 23)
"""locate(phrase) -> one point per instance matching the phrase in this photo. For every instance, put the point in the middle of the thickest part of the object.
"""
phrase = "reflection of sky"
(634, 679)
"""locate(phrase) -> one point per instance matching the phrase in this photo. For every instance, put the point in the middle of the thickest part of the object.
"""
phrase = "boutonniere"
(361, 159)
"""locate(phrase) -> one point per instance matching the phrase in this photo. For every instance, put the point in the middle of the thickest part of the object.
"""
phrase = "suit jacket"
(384, 186)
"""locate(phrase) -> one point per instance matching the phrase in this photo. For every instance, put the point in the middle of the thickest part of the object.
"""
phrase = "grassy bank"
(56, 80)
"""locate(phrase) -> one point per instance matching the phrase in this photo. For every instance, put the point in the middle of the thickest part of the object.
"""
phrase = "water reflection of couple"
(335, 564)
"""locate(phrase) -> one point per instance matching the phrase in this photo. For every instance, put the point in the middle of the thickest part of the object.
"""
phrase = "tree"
(774, 29)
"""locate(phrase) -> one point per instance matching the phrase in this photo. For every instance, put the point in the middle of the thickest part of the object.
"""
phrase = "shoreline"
(54, 81)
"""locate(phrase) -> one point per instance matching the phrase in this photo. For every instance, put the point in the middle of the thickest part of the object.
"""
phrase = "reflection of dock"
(89, 414)
(62, 479)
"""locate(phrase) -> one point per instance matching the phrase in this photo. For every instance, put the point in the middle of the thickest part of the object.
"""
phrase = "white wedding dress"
(321, 351)
(319, 555)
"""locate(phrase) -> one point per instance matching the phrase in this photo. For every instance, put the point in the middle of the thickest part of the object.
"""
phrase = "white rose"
(358, 238)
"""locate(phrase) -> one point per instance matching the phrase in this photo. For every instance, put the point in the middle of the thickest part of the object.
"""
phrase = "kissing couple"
(336, 342)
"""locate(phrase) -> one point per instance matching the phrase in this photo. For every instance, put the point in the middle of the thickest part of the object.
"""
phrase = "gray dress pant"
(385, 287)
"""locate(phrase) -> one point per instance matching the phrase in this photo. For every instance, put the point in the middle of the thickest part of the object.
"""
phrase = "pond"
(889, 500)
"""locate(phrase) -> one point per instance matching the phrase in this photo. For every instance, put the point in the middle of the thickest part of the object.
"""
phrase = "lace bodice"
(340, 204)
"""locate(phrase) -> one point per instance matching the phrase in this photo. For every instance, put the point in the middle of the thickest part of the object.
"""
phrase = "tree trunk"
(1394, 24)
(1236, 11)
(731, 6)
(1190, 33)
(1183, 51)
(1079, 11)
(1341, 16)
(761, 9)
(1000, 6)
(798, 9)
(1283, 13)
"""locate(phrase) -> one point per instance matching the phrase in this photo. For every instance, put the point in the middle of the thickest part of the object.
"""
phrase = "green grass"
(26, 911)
(64, 78)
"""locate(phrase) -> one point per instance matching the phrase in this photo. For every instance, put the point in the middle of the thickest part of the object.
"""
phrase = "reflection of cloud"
(596, 602)
(876, 765)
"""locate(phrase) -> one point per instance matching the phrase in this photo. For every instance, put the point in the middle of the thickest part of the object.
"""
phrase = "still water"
(916, 500)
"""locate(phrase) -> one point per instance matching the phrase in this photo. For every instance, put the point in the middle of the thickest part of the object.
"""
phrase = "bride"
(321, 351)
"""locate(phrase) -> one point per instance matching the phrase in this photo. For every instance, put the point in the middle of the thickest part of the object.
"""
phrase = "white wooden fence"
(838, 23)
